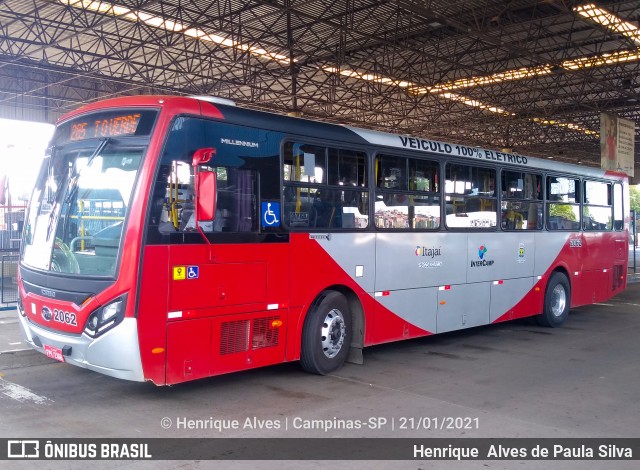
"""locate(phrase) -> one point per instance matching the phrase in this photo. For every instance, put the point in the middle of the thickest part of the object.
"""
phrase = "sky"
(22, 146)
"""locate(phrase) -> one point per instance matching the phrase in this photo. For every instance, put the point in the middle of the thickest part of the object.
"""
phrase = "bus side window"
(324, 187)
(618, 212)
(597, 206)
(563, 211)
(521, 204)
(236, 209)
(407, 193)
(470, 193)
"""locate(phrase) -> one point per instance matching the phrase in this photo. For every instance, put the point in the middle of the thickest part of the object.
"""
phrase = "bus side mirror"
(206, 190)
(206, 195)
(202, 156)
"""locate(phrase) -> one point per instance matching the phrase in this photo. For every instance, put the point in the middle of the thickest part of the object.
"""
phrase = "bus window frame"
(547, 201)
(496, 197)
(618, 224)
(377, 153)
(327, 145)
(540, 200)
(586, 205)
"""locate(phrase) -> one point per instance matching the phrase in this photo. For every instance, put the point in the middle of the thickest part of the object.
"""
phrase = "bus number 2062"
(64, 317)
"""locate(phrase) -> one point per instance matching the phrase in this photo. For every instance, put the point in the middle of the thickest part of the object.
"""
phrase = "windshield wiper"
(103, 143)
(72, 188)
(71, 185)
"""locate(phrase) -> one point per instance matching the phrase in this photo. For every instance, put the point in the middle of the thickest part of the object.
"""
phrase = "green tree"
(562, 210)
(634, 192)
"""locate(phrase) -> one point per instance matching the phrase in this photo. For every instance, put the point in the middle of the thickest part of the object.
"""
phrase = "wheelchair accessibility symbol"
(270, 212)
(193, 272)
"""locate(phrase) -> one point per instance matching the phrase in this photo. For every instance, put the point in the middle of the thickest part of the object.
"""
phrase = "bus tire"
(326, 334)
(557, 301)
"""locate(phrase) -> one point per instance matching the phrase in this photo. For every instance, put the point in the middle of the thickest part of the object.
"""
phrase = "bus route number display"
(112, 126)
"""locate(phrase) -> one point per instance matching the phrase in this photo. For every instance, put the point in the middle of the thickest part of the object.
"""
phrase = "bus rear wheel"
(557, 300)
(326, 334)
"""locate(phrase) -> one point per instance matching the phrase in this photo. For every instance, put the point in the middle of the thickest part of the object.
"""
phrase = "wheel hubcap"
(559, 300)
(334, 332)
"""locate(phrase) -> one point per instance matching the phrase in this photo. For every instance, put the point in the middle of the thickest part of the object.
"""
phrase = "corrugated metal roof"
(57, 54)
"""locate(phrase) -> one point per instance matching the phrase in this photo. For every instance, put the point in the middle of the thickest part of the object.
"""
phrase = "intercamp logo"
(483, 261)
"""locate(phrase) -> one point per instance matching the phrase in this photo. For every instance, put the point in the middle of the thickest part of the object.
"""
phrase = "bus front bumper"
(116, 353)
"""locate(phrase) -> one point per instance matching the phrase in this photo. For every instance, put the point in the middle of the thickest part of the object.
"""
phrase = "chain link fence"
(9, 280)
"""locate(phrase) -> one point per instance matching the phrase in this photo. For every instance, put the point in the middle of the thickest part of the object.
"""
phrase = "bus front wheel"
(326, 334)
(557, 300)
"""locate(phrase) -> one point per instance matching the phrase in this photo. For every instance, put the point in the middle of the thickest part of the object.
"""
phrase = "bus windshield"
(78, 208)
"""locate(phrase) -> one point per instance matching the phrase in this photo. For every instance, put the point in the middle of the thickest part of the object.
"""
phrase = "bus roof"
(226, 109)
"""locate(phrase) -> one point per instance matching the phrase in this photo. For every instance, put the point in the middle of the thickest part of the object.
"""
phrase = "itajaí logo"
(429, 252)
(482, 251)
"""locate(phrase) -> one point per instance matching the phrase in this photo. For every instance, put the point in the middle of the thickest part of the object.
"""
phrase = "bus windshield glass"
(78, 207)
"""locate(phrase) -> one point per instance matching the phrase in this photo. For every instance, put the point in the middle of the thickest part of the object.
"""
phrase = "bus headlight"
(105, 318)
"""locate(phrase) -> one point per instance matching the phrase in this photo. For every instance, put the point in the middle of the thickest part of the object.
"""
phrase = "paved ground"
(10, 338)
(515, 379)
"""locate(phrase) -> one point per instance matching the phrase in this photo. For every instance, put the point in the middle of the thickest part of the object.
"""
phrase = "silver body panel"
(444, 281)
(115, 353)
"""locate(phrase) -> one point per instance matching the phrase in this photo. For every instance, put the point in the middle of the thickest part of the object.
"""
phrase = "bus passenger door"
(226, 306)
(227, 294)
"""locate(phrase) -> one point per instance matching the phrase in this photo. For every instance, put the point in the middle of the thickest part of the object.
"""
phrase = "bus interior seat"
(185, 215)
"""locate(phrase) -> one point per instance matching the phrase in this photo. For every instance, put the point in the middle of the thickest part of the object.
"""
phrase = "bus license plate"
(53, 353)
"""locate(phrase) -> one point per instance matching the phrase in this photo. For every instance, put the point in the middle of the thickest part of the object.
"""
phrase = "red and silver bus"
(174, 238)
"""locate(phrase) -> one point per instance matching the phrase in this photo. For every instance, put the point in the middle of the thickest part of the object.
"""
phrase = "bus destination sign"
(112, 123)
(105, 126)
